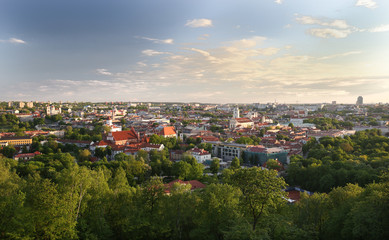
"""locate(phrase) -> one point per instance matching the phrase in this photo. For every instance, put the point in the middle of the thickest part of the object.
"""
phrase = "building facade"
(258, 156)
(227, 151)
(16, 141)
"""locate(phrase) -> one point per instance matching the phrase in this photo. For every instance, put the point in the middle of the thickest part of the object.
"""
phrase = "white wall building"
(51, 110)
(200, 155)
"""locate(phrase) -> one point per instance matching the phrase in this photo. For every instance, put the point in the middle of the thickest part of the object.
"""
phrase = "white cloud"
(329, 32)
(103, 71)
(381, 28)
(155, 40)
(333, 28)
(366, 3)
(342, 24)
(288, 26)
(268, 51)
(14, 40)
(278, 1)
(247, 42)
(150, 52)
(340, 55)
(196, 23)
(141, 64)
(203, 37)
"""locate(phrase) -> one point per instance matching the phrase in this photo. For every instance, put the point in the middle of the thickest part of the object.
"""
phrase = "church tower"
(235, 113)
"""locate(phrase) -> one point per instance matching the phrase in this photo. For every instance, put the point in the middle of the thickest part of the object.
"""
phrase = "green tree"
(262, 192)
(12, 200)
(217, 211)
(47, 213)
(181, 169)
(179, 210)
(84, 155)
(8, 151)
(100, 152)
(235, 164)
(312, 212)
(215, 165)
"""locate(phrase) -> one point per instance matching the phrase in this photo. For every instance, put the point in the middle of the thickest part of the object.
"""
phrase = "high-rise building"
(21, 104)
(360, 100)
(30, 104)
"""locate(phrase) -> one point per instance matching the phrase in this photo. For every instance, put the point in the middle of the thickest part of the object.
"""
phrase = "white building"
(114, 128)
(235, 113)
(241, 122)
(30, 104)
(200, 155)
(51, 110)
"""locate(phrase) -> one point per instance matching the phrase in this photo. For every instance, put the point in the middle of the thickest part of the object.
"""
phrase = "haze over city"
(204, 51)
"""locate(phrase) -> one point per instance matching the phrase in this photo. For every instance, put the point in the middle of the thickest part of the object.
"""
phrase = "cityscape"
(200, 119)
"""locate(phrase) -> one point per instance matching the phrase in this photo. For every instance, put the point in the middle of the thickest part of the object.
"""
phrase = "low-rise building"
(16, 140)
(200, 155)
(259, 155)
(26, 156)
(227, 151)
(241, 122)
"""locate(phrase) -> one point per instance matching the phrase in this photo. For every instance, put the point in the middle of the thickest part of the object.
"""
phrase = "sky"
(209, 51)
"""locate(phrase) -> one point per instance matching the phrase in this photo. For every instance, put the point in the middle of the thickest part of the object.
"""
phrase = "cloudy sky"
(220, 51)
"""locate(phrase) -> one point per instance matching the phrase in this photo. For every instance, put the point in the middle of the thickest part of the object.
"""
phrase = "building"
(30, 104)
(168, 132)
(10, 103)
(150, 146)
(235, 113)
(21, 104)
(193, 183)
(26, 156)
(241, 122)
(227, 151)
(113, 127)
(360, 100)
(123, 137)
(200, 155)
(176, 155)
(51, 110)
(259, 155)
(16, 140)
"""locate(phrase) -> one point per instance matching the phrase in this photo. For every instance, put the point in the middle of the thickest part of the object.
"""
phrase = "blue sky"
(218, 51)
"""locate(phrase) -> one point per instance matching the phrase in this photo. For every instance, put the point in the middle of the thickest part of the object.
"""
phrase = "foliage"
(54, 197)
(329, 123)
(262, 192)
(215, 165)
(235, 164)
(333, 162)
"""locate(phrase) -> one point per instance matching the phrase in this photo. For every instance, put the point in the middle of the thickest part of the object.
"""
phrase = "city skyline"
(195, 51)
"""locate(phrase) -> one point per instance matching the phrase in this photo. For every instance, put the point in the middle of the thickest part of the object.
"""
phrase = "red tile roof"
(243, 120)
(124, 135)
(167, 131)
(294, 195)
(194, 184)
(23, 155)
(209, 138)
(103, 143)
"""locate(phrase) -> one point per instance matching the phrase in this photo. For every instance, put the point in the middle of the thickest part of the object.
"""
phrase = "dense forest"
(330, 162)
(59, 196)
